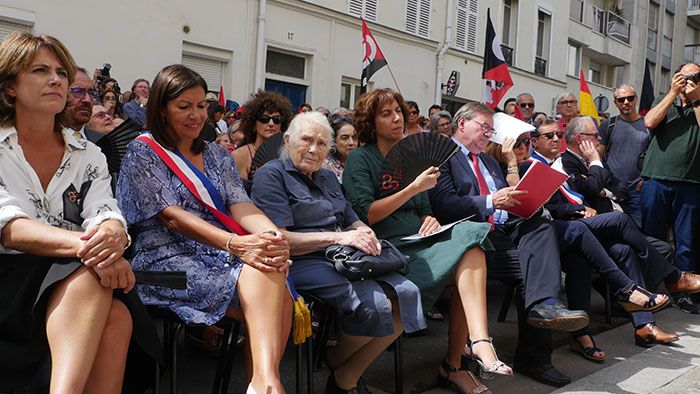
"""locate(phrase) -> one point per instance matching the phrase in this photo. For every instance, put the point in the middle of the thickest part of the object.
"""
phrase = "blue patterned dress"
(145, 187)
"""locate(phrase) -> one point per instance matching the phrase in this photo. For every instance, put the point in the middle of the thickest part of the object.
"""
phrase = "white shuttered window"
(467, 17)
(418, 17)
(366, 9)
(211, 70)
(6, 28)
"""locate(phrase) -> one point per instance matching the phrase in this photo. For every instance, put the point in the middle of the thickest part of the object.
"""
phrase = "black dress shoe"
(544, 373)
(557, 317)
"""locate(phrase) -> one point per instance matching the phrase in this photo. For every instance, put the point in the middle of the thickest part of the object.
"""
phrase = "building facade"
(310, 49)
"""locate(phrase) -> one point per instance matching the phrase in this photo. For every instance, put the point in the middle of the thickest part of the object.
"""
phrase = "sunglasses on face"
(567, 102)
(79, 93)
(621, 100)
(413, 112)
(521, 142)
(265, 119)
(550, 135)
(109, 98)
(527, 105)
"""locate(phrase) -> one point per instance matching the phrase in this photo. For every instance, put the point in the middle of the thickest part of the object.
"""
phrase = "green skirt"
(432, 260)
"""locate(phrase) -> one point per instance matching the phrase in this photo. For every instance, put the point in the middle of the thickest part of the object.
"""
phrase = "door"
(294, 92)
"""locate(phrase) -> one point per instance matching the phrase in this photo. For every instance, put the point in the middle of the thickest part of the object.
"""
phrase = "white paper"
(508, 126)
(444, 227)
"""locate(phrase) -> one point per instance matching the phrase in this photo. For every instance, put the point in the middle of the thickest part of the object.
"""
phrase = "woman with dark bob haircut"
(238, 276)
(62, 235)
(265, 115)
(453, 256)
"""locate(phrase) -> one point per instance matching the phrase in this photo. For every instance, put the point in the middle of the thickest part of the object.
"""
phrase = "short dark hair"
(169, 84)
(413, 104)
(261, 102)
(547, 122)
(434, 106)
(366, 110)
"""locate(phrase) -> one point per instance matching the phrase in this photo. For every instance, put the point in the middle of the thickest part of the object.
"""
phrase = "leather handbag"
(357, 265)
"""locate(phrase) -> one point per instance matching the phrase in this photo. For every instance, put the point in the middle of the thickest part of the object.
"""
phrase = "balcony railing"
(693, 5)
(540, 66)
(692, 53)
(507, 54)
(604, 22)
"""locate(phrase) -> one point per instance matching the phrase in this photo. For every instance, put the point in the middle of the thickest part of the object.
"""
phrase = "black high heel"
(650, 306)
(471, 385)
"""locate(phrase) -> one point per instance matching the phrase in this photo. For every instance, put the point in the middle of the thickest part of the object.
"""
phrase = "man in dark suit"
(527, 253)
(625, 243)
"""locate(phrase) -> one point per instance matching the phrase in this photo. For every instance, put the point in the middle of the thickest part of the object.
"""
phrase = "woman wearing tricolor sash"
(176, 227)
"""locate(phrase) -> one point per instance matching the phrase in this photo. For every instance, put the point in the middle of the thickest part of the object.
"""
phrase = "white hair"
(304, 121)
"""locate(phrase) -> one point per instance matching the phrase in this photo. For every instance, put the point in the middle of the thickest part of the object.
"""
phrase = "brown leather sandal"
(460, 380)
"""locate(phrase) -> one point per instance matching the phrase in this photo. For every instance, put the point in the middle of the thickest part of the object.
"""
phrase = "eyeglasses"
(413, 112)
(109, 98)
(567, 102)
(521, 142)
(79, 93)
(485, 127)
(265, 119)
(527, 105)
(341, 120)
(596, 135)
(550, 135)
(231, 117)
(621, 100)
(444, 125)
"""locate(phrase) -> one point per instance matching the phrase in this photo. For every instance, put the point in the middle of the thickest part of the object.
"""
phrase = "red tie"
(483, 186)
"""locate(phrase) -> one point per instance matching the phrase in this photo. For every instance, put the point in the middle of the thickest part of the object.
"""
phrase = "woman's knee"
(473, 258)
(119, 325)
(82, 285)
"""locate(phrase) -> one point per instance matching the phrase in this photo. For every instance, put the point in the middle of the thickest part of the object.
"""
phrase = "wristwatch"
(695, 103)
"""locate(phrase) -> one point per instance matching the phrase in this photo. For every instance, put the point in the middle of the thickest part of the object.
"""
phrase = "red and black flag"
(647, 96)
(495, 70)
(372, 57)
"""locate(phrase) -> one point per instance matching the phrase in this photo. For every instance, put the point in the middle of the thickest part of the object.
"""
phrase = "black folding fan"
(114, 144)
(268, 150)
(411, 156)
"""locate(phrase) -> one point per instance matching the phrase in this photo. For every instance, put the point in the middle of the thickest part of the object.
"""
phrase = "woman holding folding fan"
(265, 115)
(453, 256)
(240, 276)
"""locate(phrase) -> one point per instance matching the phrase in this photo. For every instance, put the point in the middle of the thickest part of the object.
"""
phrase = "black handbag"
(356, 265)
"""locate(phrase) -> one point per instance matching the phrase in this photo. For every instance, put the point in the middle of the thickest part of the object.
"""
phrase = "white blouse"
(77, 198)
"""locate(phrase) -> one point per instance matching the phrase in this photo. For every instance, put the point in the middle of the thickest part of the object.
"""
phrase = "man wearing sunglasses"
(81, 97)
(624, 140)
(527, 253)
(671, 170)
(526, 103)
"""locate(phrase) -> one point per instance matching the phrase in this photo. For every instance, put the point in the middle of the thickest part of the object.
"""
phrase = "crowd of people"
(190, 197)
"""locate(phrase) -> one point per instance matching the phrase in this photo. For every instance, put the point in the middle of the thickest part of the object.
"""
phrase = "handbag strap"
(201, 187)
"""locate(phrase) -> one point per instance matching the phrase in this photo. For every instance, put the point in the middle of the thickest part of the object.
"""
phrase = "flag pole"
(394, 78)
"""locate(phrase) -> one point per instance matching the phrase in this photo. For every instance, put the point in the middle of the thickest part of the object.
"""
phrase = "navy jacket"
(456, 194)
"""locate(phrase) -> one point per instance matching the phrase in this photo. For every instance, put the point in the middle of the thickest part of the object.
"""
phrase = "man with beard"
(81, 97)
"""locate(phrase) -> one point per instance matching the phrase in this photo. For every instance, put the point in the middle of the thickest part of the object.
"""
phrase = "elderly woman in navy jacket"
(307, 204)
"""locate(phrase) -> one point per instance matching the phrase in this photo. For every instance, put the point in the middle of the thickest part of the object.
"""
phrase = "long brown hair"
(170, 82)
(17, 52)
(368, 107)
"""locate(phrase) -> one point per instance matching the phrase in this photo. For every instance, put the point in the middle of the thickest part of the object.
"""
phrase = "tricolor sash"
(571, 196)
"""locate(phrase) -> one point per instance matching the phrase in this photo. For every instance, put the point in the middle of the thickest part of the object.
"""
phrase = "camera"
(695, 78)
(103, 73)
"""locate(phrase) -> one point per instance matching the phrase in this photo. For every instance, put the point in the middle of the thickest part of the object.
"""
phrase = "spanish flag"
(586, 104)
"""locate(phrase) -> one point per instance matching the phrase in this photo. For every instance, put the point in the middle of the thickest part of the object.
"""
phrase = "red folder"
(540, 181)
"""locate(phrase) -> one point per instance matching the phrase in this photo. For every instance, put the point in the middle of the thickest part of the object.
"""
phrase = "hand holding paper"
(541, 181)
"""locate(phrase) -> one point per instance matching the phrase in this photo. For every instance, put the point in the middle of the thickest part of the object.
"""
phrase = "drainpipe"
(260, 48)
(441, 52)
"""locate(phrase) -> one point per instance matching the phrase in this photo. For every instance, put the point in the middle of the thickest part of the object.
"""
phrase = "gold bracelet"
(228, 243)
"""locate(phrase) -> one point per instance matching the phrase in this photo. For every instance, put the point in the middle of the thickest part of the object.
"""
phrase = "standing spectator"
(110, 100)
(235, 133)
(229, 118)
(306, 107)
(81, 97)
(215, 113)
(433, 109)
(265, 115)
(413, 124)
(509, 107)
(441, 122)
(136, 108)
(567, 109)
(624, 138)
(526, 103)
(671, 171)
(345, 142)
(538, 118)
(324, 111)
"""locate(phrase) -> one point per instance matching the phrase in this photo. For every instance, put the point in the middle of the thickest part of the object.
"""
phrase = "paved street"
(628, 369)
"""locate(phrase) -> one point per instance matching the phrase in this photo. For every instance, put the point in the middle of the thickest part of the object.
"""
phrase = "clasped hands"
(267, 251)
(102, 251)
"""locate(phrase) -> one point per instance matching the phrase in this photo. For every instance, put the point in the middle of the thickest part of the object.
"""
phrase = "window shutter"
(472, 20)
(411, 15)
(467, 17)
(7, 28)
(366, 9)
(355, 7)
(424, 19)
(210, 70)
(371, 10)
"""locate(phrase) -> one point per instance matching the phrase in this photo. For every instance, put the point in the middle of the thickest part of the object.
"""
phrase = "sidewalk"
(628, 368)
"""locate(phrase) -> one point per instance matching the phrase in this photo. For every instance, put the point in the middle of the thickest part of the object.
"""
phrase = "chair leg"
(300, 361)
(156, 380)
(608, 304)
(398, 365)
(308, 347)
(508, 298)
(224, 347)
(233, 337)
(176, 328)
